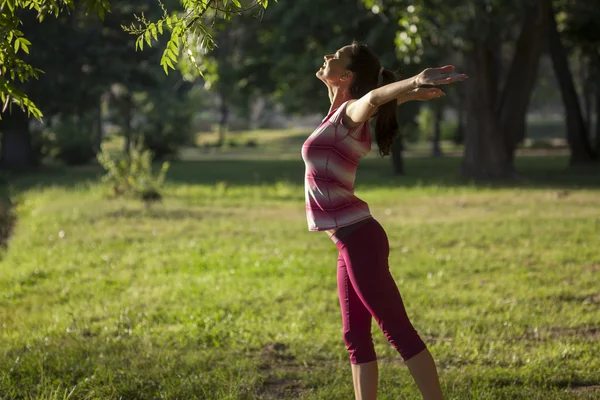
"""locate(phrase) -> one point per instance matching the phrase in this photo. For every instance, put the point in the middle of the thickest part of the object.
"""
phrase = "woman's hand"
(420, 94)
(424, 94)
(439, 76)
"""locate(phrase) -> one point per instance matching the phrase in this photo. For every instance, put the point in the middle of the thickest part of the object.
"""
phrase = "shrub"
(166, 124)
(70, 140)
(130, 173)
(8, 217)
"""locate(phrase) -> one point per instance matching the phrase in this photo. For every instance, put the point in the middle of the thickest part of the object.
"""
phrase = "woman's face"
(334, 69)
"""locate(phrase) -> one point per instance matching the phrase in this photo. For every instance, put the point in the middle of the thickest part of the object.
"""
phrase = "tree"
(13, 44)
(14, 71)
(581, 33)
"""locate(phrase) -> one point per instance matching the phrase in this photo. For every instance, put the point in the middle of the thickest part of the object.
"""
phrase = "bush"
(426, 121)
(70, 140)
(410, 132)
(448, 130)
(130, 173)
(8, 217)
(166, 124)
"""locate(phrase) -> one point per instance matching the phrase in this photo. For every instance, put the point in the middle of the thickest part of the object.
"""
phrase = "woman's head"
(356, 69)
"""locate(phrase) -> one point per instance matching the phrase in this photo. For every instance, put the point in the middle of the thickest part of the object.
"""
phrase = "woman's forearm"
(405, 97)
(393, 91)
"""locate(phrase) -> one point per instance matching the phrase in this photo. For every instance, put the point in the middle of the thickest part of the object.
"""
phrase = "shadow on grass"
(539, 172)
(162, 214)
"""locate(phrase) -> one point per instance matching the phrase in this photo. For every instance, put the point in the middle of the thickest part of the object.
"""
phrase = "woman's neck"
(337, 97)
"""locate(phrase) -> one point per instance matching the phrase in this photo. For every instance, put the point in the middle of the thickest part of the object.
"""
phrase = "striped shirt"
(331, 155)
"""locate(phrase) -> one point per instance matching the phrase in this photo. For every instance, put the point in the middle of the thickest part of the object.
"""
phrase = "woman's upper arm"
(359, 111)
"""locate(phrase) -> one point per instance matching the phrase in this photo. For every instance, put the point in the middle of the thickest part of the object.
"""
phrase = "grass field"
(220, 292)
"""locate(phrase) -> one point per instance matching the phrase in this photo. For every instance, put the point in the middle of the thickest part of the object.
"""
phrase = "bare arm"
(363, 109)
(420, 94)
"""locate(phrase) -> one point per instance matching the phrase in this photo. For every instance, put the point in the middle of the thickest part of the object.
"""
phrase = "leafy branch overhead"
(13, 44)
(189, 30)
(189, 34)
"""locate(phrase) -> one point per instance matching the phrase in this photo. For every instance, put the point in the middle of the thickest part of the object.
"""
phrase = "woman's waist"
(338, 233)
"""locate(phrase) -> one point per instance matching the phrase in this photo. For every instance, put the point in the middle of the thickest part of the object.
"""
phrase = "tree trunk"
(586, 84)
(127, 116)
(97, 127)
(522, 76)
(459, 134)
(397, 159)
(597, 121)
(577, 137)
(16, 148)
(223, 120)
(485, 148)
(438, 110)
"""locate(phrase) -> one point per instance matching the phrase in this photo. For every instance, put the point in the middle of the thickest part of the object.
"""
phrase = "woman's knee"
(407, 343)
(360, 346)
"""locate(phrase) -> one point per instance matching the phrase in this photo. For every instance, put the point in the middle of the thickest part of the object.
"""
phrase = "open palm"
(439, 76)
(424, 94)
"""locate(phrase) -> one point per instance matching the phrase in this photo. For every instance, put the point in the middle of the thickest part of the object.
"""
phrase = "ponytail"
(386, 125)
(367, 76)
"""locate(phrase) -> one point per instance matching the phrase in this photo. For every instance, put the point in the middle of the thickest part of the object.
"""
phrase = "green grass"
(222, 293)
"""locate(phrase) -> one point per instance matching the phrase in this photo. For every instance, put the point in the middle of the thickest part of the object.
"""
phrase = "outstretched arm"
(364, 108)
(420, 94)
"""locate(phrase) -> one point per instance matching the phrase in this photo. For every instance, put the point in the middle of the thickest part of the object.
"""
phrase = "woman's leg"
(356, 320)
(424, 372)
(365, 377)
(365, 254)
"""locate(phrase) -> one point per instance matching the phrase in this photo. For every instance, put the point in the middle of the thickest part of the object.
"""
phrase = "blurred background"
(533, 65)
(153, 237)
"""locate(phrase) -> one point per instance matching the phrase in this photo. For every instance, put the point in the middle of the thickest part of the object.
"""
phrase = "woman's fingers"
(442, 75)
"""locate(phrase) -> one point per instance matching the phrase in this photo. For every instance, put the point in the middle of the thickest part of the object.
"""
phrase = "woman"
(359, 89)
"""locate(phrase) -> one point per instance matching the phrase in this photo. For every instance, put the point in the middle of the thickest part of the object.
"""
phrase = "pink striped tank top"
(331, 155)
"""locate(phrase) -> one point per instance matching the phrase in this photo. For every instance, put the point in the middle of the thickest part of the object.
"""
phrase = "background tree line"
(94, 78)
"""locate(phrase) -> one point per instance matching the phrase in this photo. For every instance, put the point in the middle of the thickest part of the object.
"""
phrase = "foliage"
(13, 43)
(165, 121)
(426, 120)
(70, 140)
(191, 24)
(130, 173)
(8, 216)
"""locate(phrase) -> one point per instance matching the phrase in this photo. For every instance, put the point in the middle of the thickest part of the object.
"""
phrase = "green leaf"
(17, 44)
(174, 46)
(153, 31)
(160, 26)
(237, 3)
(170, 54)
(147, 37)
(140, 42)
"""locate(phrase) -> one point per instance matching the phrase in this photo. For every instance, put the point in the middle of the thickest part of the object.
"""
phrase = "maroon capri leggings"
(367, 289)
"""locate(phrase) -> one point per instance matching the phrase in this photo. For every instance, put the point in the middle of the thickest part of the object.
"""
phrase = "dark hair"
(365, 66)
